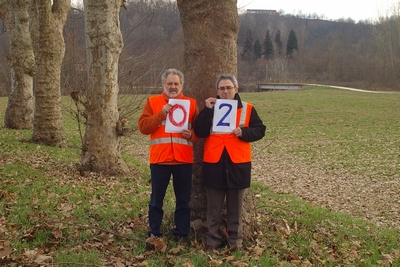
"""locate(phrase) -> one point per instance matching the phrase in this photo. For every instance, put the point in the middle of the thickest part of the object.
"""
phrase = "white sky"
(330, 9)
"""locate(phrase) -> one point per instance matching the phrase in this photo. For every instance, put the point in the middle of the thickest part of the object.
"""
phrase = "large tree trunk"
(49, 49)
(19, 112)
(102, 144)
(210, 36)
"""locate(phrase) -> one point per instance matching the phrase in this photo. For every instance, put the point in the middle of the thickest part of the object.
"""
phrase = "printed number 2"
(221, 121)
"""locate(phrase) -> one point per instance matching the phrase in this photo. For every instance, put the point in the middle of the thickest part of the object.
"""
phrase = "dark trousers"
(182, 183)
(234, 203)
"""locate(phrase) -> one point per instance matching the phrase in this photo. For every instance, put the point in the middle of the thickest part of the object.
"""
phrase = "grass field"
(52, 216)
(358, 131)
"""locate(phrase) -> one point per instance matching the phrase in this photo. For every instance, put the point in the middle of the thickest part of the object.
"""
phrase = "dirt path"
(358, 90)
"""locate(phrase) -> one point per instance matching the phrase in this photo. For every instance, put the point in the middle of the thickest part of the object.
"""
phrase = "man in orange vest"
(227, 162)
(170, 154)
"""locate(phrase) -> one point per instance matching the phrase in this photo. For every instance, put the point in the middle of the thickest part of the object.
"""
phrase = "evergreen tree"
(291, 44)
(268, 47)
(278, 43)
(257, 49)
(248, 52)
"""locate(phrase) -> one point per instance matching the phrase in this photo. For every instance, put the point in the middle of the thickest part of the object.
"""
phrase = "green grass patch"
(338, 128)
(47, 209)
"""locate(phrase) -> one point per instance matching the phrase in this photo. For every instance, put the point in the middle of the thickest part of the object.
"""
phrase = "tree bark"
(101, 148)
(19, 112)
(210, 38)
(49, 49)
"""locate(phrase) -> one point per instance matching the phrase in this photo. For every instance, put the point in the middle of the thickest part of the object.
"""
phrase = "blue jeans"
(182, 183)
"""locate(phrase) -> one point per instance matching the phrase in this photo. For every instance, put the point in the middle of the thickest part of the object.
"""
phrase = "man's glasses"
(222, 88)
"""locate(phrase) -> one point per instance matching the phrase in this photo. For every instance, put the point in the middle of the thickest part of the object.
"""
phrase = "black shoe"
(149, 247)
(209, 248)
(234, 249)
(182, 240)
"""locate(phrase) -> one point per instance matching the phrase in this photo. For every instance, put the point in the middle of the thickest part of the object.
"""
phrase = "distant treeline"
(363, 55)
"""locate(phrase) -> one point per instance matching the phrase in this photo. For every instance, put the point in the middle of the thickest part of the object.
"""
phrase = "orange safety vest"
(170, 147)
(238, 150)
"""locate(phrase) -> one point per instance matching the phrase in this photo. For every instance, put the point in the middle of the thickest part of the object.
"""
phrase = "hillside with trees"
(342, 52)
(272, 47)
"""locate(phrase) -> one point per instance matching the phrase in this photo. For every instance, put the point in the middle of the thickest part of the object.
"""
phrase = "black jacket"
(225, 174)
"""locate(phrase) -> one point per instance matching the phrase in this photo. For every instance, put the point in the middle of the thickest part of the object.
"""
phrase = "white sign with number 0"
(178, 116)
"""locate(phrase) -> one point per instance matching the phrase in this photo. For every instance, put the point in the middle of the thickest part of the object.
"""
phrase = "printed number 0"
(171, 115)
(221, 121)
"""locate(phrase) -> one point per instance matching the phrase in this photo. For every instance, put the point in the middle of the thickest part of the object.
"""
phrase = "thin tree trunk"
(19, 112)
(49, 49)
(102, 144)
(210, 37)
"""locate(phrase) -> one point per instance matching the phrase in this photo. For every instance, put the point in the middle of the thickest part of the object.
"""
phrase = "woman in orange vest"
(170, 154)
(227, 162)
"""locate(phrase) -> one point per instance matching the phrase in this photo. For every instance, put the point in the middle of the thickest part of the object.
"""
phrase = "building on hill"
(263, 11)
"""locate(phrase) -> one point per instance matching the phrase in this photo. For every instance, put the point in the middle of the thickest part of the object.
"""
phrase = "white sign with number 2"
(224, 116)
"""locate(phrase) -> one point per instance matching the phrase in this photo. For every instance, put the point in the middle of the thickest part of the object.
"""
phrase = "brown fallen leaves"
(106, 242)
(365, 196)
(156, 243)
(5, 248)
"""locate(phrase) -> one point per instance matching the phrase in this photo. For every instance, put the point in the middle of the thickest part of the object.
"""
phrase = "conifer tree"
(268, 47)
(291, 44)
(248, 52)
(257, 49)
(278, 43)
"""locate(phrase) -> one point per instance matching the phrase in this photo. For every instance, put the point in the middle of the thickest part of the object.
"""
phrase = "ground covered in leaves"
(121, 243)
(366, 196)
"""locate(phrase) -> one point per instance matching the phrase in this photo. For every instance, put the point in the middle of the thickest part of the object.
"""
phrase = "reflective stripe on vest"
(243, 114)
(181, 141)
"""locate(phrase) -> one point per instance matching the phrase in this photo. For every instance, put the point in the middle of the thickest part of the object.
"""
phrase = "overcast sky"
(330, 9)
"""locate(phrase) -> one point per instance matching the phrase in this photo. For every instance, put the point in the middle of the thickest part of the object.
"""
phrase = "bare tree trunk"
(19, 112)
(49, 49)
(102, 144)
(210, 36)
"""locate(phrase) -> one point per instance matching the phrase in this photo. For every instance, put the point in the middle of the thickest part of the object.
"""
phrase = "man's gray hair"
(227, 77)
(172, 71)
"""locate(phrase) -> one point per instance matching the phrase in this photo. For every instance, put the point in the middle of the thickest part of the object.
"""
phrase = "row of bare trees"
(339, 52)
(37, 53)
(36, 50)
